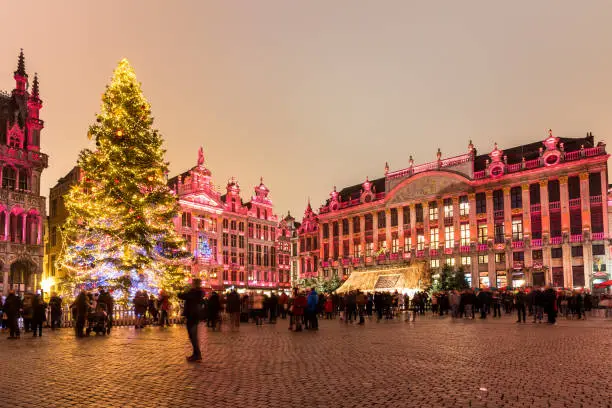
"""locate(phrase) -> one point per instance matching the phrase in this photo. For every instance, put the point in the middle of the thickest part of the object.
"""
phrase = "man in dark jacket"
(233, 308)
(106, 299)
(55, 303)
(12, 306)
(519, 302)
(39, 314)
(191, 311)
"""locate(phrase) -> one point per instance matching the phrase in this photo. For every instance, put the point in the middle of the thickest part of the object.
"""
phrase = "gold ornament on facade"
(525, 186)
(543, 183)
(562, 179)
(584, 176)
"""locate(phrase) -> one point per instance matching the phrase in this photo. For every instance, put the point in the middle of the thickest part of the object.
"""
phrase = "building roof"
(353, 192)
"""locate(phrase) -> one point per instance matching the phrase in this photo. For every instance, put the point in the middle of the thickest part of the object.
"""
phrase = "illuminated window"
(448, 208)
(482, 233)
(464, 206)
(433, 238)
(434, 263)
(369, 248)
(394, 245)
(185, 219)
(449, 237)
(466, 260)
(420, 242)
(500, 258)
(450, 261)
(465, 234)
(407, 244)
(433, 211)
(483, 259)
(517, 229)
(357, 250)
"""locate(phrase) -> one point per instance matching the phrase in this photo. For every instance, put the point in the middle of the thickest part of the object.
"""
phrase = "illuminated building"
(234, 243)
(535, 214)
(22, 208)
(287, 249)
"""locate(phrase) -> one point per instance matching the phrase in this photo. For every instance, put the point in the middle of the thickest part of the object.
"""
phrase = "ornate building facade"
(235, 243)
(287, 249)
(22, 208)
(535, 214)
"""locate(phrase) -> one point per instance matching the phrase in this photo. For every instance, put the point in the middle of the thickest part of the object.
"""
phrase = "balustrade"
(536, 208)
(555, 205)
(536, 242)
(598, 236)
(518, 244)
(556, 240)
(574, 203)
(596, 199)
(576, 238)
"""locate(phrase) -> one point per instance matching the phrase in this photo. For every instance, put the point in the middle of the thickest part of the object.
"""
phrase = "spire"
(35, 86)
(21, 65)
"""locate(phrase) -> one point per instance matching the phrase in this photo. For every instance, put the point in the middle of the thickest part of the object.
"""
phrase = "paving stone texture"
(430, 363)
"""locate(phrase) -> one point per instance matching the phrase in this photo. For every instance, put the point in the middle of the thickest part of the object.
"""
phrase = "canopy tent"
(403, 279)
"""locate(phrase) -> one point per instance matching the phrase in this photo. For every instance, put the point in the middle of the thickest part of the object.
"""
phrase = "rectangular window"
(394, 217)
(225, 239)
(406, 213)
(498, 200)
(241, 241)
(464, 206)
(450, 261)
(419, 212)
(556, 253)
(187, 239)
(273, 257)
(186, 220)
(250, 255)
(482, 233)
(345, 226)
(226, 258)
(53, 207)
(335, 229)
(518, 256)
(325, 230)
(420, 242)
(258, 232)
(466, 260)
(382, 219)
(537, 255)
(499, 233)
(265, 233)
(9, 177)
(357, 250)
(356, 225)
(576, 251)
(241, 227)
(53, 259)
(481, 203)
(53, 236)
(233, 225)
(241, 258)
(516, 197)
(465, 234)
(483, 259)
(233, 240)
(369, 248)
(434, 238)
(599, 250)
(251, 232)
(433, 211)
(407, 244)
(500, 258)
(225, 223)
(448, 208)
(517, 229)
(449, 236)
(434, 263)
(234, 258)
(258, 255)
(395, 245)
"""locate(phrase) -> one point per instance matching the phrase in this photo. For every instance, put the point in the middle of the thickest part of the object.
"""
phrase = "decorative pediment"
(429, 184)
(15, 136)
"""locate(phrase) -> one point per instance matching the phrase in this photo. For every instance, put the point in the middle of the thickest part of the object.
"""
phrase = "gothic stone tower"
(22, 208)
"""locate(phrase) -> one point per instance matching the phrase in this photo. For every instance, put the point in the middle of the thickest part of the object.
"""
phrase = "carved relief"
(436, 184)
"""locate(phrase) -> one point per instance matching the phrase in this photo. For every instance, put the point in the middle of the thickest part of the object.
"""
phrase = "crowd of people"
(31, 309)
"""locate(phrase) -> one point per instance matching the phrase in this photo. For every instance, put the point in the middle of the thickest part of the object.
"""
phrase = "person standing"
(273, 300)
(519, 303)
(39, 314)
(191, 311)
(55, 302)
(233, 309)
(81, 308)
(361, 300)
(164, 306)
(299, 305)
(214, 308)
(12, 306)
(105, 299)
(550, 305)
(283, 301)
(313, 302)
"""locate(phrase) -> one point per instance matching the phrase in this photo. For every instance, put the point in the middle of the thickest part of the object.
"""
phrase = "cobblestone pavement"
(431, 363)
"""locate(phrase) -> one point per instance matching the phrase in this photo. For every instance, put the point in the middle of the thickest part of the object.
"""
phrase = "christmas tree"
(119, 233)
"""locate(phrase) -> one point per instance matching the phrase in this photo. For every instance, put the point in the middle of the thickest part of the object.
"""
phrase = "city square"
(432, 362)
(400, 203)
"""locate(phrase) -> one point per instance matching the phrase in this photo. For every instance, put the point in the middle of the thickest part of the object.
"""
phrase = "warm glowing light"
(47, 283)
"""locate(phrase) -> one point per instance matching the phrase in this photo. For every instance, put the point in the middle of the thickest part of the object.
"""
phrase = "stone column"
(490, 222)
(400, 228)
(375, 230)
(441, 226)
(340, 239)
(23, 227)
(565, 213)
(39, 233)
(507, 213)
(5, 278)
(587, 256)
(7, 224)
(321, 245)
(426, 223)
(545, 210)
(472, 216)
(362, 234)
(388, 228)
(474, 270)
(351, 238)
(604, 206)
(547, 261)
(585, 202)
(331, 239)
(568, 278)
(526, 211)
(456, 222)
(413, 228)
(492, 271)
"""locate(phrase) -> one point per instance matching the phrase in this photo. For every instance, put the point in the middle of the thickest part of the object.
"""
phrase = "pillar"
(492, 271)
(568, 278)
(547, 261)
(474, 270)
(604, 205)
(362, 234)
(7, 223)
(340, 239)
(400, 228)
(330, 240)
(472, 217)
(585, 202)
(388, 235)
(565, 213)
(413, 228)
(375, 230)
(545, 212)
(426, 224)
(587, 256)
(441, 226)
(507, 213)
(5, 278)
(321, 245)
(490, 222)
(351, 238)
(456, 222)
(526, 211)
(24, 227)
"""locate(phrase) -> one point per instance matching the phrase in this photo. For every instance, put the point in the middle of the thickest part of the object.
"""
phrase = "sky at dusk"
(320, 93)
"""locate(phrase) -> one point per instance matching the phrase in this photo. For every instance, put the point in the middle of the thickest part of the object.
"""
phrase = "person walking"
(519, 303)
(164, 306)
(214, 308)
(12, 307)
(233, 309)
(141, 302)
(55, 303)
(298, 307)
(283, 305)
(329, 308)
(81, 308)
(191, 311)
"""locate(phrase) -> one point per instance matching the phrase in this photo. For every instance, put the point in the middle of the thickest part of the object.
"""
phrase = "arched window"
(9, 178)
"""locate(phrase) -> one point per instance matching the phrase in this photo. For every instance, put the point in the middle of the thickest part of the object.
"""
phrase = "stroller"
(98, 321)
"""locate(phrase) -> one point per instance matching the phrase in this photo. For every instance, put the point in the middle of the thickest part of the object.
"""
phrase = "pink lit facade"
(235, 244)
(535, 214)
(22, 208)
